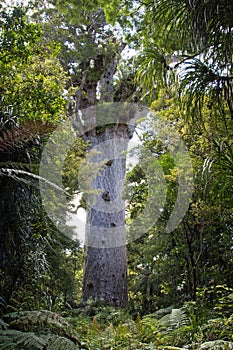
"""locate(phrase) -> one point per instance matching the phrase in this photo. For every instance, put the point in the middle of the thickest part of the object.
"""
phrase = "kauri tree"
(91, 53)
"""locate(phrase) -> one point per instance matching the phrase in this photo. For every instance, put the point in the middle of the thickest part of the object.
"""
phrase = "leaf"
(3, 325)
(60, 343)
(176, 319)
(12, 340)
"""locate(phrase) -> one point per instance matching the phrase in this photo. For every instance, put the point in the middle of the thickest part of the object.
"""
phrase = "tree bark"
(105, 272)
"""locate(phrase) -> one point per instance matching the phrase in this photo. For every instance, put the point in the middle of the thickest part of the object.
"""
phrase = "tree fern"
(162, 312)
(17, 136)
(28, 319)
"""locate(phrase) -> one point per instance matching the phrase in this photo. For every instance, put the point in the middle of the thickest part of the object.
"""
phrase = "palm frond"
(201, 80)
(201, 21)
(154, 71)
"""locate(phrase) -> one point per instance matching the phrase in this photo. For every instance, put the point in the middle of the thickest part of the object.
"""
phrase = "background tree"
(166, 268)
(32, 83)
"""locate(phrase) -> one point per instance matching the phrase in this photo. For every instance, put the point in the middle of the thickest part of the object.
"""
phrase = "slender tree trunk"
(105, 272)
(191, 266)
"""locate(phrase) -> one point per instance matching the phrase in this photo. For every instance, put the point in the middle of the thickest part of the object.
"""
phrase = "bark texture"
(105, 273)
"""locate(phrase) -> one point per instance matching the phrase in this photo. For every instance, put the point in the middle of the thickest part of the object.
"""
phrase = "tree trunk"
(105, 272)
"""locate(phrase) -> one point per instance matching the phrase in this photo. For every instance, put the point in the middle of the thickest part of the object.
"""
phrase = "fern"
(176, 319)
(169, 348)
(12, 339)
(60, 343)
(3, 325)
(25, 319)
(46, 321)
(162, 312)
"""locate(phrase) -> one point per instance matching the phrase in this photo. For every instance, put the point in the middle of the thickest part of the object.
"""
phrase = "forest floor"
(98, 327)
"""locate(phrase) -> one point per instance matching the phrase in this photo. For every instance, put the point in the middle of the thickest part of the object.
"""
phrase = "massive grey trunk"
(105, 276)
(105, 273)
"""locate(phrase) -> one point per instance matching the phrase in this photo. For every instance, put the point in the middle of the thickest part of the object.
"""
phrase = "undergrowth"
(102, 327)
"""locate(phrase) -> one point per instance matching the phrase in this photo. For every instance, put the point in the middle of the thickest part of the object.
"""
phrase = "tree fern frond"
(18, 174)
(3, 325)
(16, 340)
(24, 318)
(12, 339)
(162, 312)
(60, 343)
(43, 320)
(176, 319)
(16, 137)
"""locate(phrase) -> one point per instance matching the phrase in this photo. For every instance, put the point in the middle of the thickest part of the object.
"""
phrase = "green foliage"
(3, 325)
(217, 299)
(169, 268)
(33, 253)
(218, 328)
(37, 330)
(111, 328)
(12, 339)
(88, 46)
(176, 319)
(32, 80)
(185, 51)
(103, 313)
